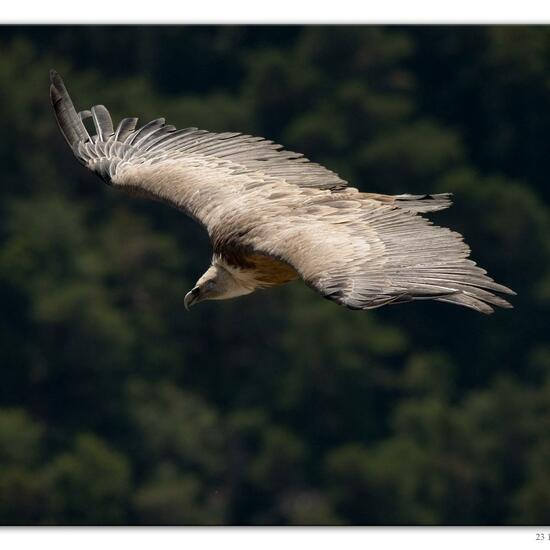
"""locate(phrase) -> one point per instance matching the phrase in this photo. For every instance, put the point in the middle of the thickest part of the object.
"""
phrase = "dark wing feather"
(69, 122)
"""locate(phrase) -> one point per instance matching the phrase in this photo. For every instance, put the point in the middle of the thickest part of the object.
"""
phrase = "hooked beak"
(191, 298)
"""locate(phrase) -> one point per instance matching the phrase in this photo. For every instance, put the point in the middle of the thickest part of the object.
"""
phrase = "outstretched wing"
(359, 250)
(363, 254)
(109, 151)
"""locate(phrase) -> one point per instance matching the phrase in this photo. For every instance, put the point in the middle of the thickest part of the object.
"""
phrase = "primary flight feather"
(273, 216)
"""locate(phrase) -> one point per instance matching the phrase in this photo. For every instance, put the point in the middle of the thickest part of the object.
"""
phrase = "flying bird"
(273, 216)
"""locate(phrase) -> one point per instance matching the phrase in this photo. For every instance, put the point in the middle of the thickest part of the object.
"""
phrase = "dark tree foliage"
(117, 406)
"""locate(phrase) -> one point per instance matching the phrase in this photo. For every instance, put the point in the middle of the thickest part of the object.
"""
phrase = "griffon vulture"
(273, 216)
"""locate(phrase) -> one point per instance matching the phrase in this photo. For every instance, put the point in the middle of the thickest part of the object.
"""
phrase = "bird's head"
(217, 283)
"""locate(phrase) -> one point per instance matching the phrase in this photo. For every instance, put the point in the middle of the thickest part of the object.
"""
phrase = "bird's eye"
(210, 285)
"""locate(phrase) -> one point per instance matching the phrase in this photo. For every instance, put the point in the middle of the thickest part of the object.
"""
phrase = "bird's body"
(273, 216)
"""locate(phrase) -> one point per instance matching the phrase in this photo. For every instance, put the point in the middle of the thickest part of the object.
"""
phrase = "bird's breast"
(260, 271)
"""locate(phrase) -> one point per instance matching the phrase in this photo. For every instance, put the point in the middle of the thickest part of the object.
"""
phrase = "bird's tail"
(417, 204)
(424, 203)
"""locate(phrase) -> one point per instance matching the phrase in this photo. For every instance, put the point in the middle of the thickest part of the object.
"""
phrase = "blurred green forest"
(119, 407)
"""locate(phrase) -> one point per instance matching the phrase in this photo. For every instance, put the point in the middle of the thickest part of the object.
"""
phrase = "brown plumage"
(273, 216)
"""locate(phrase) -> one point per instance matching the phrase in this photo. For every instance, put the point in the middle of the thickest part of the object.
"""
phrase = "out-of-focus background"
(117, 406)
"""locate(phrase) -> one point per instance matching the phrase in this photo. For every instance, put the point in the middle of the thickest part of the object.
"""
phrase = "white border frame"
(275, 12)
